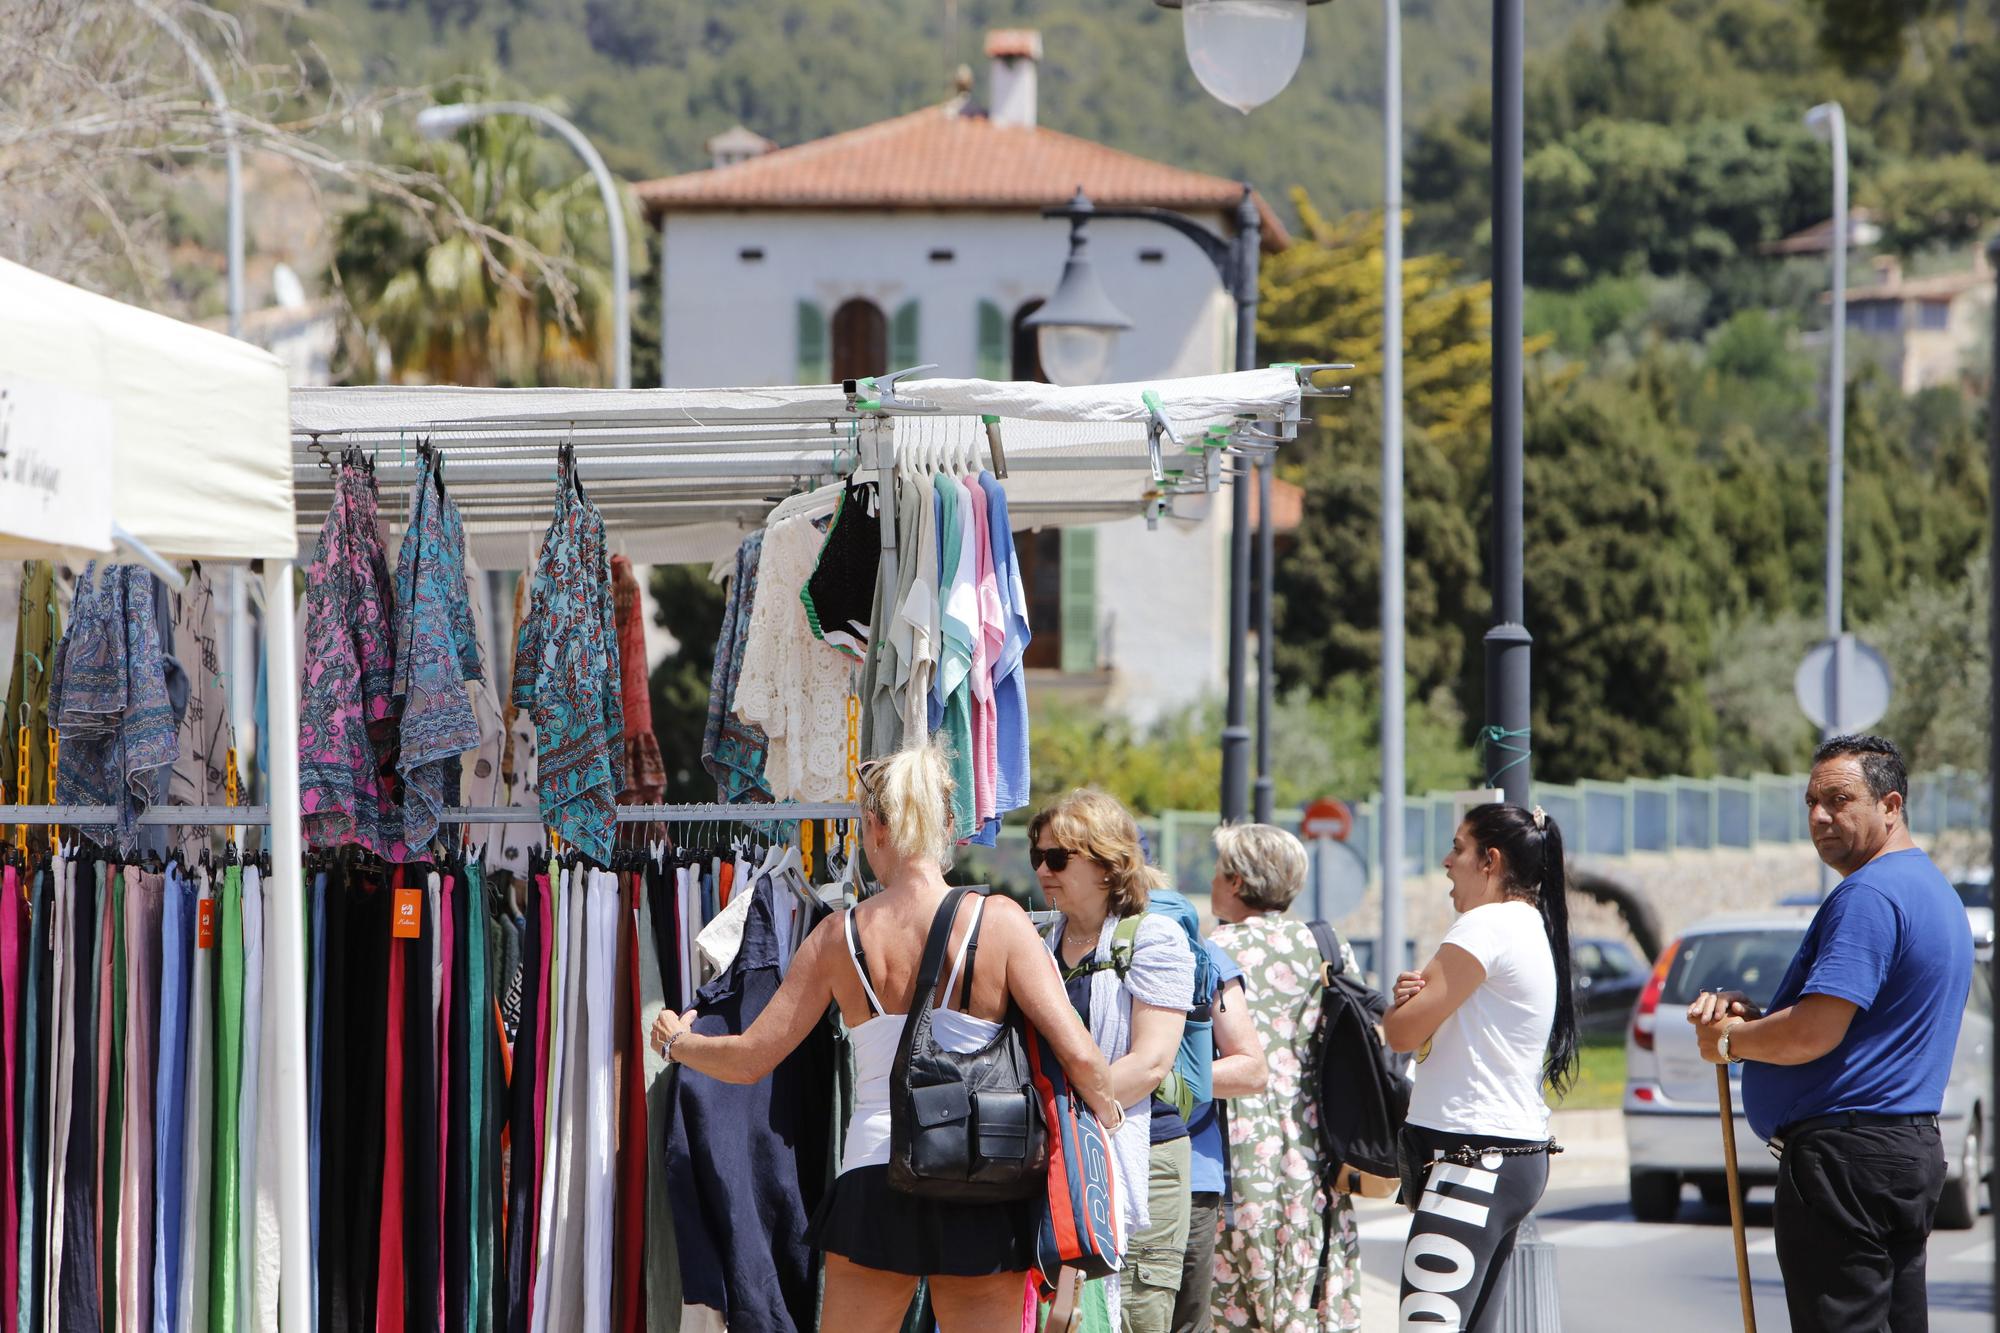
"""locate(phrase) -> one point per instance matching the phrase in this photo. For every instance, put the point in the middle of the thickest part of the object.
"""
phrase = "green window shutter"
(903, 338)
(992, 342)
(1079, 600)
(813, 368)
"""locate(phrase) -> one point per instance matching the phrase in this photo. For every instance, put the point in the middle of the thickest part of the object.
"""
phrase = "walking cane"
(1735, 1198)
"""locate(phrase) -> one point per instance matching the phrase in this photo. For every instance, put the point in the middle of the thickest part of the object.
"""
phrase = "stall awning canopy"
(200, 464)
(681, 474)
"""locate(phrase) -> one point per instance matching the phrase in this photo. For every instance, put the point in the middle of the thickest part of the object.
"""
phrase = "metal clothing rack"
(181, 816)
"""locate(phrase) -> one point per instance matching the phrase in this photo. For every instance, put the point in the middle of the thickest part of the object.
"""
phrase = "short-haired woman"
(1492, 1013)
(879, 1241)
(1267, 1259)
(1086, 854)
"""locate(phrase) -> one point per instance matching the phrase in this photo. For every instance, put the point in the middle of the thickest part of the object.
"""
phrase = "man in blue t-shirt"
(1240, 1071)
(1847, 1072)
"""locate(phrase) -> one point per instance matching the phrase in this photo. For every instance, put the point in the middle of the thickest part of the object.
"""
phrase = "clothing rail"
(782, 812)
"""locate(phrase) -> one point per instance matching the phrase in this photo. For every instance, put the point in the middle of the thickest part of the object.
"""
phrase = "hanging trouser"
(1462, 1236)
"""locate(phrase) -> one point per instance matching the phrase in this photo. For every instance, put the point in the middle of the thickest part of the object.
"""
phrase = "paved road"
(1618, 1275)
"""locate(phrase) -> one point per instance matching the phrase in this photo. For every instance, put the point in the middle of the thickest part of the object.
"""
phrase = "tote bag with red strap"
(1079, 1217)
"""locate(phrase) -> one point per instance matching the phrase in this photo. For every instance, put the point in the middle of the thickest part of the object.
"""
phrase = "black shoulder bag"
(967, 1128)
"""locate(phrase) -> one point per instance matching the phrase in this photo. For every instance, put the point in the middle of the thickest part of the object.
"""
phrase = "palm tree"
(504, 282)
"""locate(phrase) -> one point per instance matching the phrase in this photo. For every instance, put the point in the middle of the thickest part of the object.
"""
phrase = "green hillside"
(652, 80)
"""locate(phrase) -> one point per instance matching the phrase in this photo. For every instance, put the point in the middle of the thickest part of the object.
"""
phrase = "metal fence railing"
(1600, 820)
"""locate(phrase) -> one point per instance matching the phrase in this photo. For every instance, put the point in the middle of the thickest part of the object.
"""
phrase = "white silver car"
(1671, 1130)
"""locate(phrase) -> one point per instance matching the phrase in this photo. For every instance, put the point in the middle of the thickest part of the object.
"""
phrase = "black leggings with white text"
(1462, 1232)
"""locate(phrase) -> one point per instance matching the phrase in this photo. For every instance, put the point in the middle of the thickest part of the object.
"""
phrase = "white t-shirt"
(1484, 1071)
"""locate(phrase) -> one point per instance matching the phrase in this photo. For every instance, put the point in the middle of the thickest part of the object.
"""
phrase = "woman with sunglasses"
(1134, 992)
(879, 1241)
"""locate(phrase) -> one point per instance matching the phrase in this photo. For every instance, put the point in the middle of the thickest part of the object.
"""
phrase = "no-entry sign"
(1327, 818)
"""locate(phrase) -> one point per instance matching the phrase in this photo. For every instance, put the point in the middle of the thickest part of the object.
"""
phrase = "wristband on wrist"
(667, 1051)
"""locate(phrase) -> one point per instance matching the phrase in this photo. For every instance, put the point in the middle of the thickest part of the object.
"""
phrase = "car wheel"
(1958, 1206)
(1656, 1195)
(1714, 1191)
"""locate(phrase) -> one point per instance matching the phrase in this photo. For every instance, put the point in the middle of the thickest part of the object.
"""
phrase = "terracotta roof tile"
(938, 159)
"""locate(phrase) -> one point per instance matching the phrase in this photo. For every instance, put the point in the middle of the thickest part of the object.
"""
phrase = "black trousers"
(1462, 1235)
(1853, 1219)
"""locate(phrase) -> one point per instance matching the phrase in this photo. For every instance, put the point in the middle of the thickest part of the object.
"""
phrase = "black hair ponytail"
(1530, 844)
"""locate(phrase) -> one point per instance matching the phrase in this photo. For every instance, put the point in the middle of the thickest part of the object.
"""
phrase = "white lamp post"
(1829, 124)
(441, 122)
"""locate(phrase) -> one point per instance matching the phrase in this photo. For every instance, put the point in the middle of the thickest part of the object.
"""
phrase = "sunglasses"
(1055, 858)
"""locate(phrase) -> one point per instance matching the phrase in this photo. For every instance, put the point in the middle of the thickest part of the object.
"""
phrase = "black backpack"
(1360, 1089)
(966, 1128)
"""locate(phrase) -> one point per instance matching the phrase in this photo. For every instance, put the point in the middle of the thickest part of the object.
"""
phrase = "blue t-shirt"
(1893, 939)
(1205, 1126)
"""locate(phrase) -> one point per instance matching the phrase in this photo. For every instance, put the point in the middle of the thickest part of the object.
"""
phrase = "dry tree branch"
(99, 109)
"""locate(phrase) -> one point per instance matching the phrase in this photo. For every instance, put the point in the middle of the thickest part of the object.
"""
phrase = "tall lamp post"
(238, 649)
(441, 122)
(1508, 753)
(1391, 832)
(1244, 53)
(1993, 620)
(1829, 124)
(1074, 332)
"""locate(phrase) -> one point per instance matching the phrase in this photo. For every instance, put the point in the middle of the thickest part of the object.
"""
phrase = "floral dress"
(1268, 1253)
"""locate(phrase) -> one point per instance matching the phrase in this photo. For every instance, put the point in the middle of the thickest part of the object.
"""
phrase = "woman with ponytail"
(1492, 1021)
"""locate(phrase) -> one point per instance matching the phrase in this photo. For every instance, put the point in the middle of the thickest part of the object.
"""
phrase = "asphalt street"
(1616, 1274)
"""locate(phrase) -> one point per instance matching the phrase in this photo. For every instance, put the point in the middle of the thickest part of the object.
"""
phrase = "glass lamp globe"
(1074, 354)
(1244, 52)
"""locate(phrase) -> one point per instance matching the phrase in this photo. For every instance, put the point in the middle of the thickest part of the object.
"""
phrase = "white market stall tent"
(682, 474)
(116, 420)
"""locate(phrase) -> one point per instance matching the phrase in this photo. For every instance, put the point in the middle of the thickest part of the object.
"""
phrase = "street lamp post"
(1508, 644)
(1079, 316)
(1244, 53)
(1827, 122)
(232, 153)
(1391, 949)
(441, 122)
(1993, 619)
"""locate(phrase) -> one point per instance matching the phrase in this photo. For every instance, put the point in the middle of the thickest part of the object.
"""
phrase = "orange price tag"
(204, 933)
(409, 920)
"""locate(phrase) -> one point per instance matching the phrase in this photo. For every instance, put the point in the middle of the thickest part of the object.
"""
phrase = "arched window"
(860, 340)
(1027, 351)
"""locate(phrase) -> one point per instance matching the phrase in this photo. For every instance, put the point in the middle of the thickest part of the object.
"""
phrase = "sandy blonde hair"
(1094, 824)
(910, 792)
(1267, 862)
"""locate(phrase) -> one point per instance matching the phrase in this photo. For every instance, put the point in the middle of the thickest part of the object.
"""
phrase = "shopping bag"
(1080, 1209)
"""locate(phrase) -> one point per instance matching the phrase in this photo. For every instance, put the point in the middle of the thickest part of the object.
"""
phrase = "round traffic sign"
(1864, 685)
(1327, 818)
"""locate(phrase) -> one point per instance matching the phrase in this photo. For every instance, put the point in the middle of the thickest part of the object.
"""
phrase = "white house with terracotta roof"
(920, 240)
(1927, 332)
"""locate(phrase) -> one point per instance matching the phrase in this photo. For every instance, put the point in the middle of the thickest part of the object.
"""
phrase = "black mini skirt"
(866, 1221)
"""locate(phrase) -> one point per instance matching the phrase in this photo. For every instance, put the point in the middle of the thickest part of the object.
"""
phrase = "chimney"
(737, 144)
(1014, 53)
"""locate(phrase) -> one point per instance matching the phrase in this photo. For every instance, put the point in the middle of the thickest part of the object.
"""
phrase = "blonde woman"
(879, 1241)
(1268, 1256)
(1134, 990)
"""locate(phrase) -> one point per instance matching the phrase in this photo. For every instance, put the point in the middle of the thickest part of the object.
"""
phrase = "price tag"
(409, 920)
(204, 933)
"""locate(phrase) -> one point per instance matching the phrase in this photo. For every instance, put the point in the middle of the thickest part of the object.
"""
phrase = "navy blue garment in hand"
(742, 1201)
